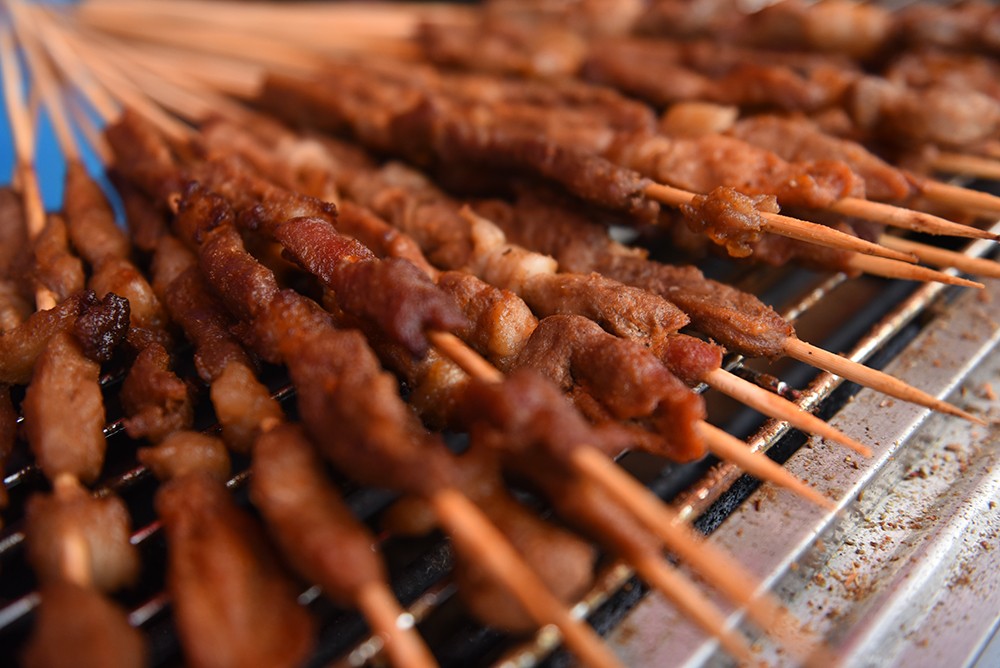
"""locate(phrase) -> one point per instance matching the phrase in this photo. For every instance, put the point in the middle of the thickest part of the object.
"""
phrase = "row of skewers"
(303, 251)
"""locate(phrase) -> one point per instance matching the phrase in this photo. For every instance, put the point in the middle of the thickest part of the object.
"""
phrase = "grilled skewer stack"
(248, 243)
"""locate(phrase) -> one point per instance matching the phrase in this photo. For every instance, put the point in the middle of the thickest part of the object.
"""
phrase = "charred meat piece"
(21, 346)
(155, 400)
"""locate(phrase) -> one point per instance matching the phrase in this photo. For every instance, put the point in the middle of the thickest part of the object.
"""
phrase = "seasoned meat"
(311, 523)
(77, 627)
(21, 346)
(729, 218)
(102, 524)
(233, 605)
(90, 220)
(187, 452)
(55, 267)
(64, 412)
(155, 400)
(797, 139)
(206, 323)
(499, 321)
(243, 406)
(100, 328)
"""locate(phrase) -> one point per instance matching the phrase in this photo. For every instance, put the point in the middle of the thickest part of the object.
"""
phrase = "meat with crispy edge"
(90, 219)
(21, 346)
(233, 605)
(155, 400)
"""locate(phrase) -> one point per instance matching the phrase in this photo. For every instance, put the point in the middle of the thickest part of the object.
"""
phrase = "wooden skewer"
(907, 219)
(967, 165)
(730, 448)
(119, 86)
(72, 67)
(778, 407)
(44, 79)
(878, 266)
(724, 573)
(877, 380)
(958, 197)
(467, 359)
(75, 564)
(467, 526)
(395, 626)
(792, 228)
(24, 140)
(940, 257)
(689, 600)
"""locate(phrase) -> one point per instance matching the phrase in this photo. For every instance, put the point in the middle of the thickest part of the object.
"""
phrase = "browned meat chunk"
(243, 405)
(76, 627)
(14, 308)
(729, 218)
(702, 164)
(187, 452)
(20, 347)
(155, 400)
(64, 412)
(799, 140)
(90, 219)
(352, 408)
(13, 233)
(312, 524)
(233, 605)
(55, 267)
(499, 321)
(624, 376)
(103, 525)
(102, 327)
(206, 324)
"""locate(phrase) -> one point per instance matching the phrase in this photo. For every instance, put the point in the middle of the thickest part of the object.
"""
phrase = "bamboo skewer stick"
(966, 165)
(786, 226)
(692, 602)
(877, 266)
(907, 219)
(961, 198)
(395, 626)
(23, 133)
(725, 574)
(877, 380)
(468, 527)
(941, 257)
(731, 449)
(43, 78)
(778, 407)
